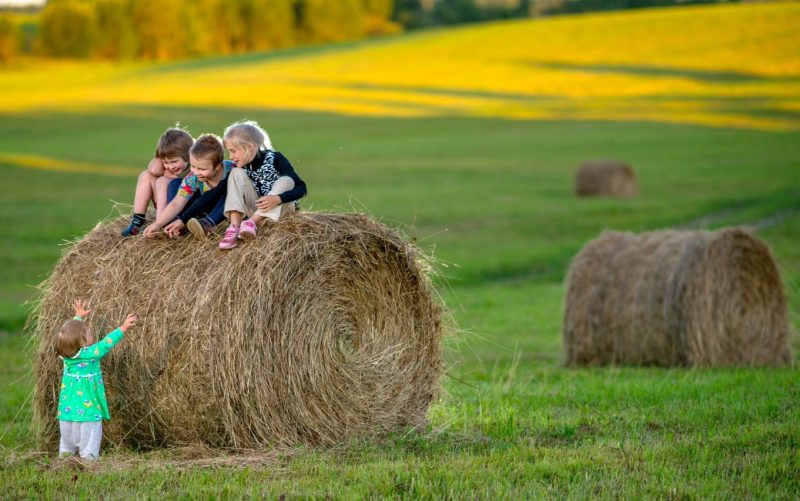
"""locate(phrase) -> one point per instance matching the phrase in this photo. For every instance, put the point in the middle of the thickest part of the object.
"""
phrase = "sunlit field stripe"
(52, 164)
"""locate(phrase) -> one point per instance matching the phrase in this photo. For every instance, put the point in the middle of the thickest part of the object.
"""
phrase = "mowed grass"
(492, 200)
(443, 155)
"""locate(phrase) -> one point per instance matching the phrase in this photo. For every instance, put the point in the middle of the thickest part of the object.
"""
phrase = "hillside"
(727, 66)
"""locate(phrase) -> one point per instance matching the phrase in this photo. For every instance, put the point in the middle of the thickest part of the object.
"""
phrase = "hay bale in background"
(324, 328)
(685, 298)
(605, 178)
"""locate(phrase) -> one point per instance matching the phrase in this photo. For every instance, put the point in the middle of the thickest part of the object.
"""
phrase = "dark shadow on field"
(437, 91)
(772, 210)
(245, 59)
(666, 71)
(755, 106)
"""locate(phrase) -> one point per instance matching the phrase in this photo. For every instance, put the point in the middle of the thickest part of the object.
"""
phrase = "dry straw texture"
(605, 178)
(324, 328)
(676, 298)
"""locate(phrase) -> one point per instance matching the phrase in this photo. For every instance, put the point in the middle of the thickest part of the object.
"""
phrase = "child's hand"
(155, 167)
(129, 322)
(151, 230)
(81, 309)
(174, 228)
(268, 202)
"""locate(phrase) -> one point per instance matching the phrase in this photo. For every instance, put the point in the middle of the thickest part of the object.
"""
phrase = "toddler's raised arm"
(101, 348)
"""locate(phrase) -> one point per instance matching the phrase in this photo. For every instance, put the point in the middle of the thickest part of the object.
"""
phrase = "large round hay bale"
(324, 328)
(676, 298)
(605, 178)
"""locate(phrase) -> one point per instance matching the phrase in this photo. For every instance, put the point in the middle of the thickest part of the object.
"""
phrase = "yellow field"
(728, 66)
(46, 163)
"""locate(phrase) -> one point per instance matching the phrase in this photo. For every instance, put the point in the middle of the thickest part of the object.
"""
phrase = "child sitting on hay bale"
(264, 186)
(208, 171)
(82, 404)
(161, 179)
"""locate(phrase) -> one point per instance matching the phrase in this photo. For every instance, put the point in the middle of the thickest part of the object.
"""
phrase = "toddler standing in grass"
(160, 181)
(82, 404)
(264, 185)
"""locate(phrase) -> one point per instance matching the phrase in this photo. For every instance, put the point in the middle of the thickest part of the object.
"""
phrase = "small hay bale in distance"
(323, 329)
(605, 178)
(676, 298)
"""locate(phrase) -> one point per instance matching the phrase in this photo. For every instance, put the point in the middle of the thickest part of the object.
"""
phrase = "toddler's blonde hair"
(247, 134)
(70, 338)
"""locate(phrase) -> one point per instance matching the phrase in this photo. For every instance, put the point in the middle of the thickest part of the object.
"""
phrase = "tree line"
(175, 29)
(424, 13)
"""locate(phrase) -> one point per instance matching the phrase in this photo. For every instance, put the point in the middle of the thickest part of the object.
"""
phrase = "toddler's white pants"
(81, 437)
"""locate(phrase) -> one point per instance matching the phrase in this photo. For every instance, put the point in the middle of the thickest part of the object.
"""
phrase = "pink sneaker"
(229, 240)
(247, 230)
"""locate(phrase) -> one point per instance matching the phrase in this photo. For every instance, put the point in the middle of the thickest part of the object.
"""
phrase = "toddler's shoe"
(248, 230)
(229, 241)
(200, 228)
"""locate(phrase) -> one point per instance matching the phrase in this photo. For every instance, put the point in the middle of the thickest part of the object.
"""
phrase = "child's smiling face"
(239, 154)
(204, 169)
(174, 165)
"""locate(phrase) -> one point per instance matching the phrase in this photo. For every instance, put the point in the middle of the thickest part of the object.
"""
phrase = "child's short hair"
(174, 142)
(70, 338)
(209, 147)
(247, 132)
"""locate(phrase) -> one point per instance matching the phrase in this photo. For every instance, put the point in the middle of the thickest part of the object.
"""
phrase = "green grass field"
(492, 200)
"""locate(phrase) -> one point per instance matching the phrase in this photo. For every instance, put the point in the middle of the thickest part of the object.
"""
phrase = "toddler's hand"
(129, 322)
(81, 309)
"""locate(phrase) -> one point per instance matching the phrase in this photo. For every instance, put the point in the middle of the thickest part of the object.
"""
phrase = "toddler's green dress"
(83, 395)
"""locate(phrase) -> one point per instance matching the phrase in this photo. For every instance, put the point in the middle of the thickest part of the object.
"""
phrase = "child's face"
(204, 169)
(87, 339)
(174, 165)
(238, 154)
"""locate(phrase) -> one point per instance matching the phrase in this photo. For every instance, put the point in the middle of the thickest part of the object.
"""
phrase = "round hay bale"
(605, 178)
(676, 298)
(323, 329)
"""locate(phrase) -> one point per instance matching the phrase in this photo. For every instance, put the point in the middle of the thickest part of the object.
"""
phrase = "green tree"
(116, 37)
(413, 13)
(67, 29)
(160, 29)
(268, 24)
(204, 26)
(380, 8)
(377, 14)
(321, 21)
(9, 38)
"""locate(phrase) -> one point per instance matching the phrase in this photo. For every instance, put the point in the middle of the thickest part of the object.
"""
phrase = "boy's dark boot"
(137, 223)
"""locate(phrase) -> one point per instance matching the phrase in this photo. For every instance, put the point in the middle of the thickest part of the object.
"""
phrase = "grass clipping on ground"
(324, 328)
(676, 298)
